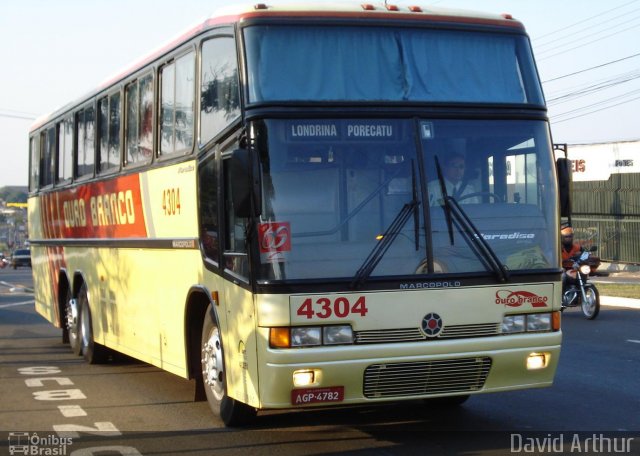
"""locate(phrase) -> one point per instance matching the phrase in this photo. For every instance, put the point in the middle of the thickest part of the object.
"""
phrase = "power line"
(602, 85)
(588, 42)
(17, 116)
(591, 68)
(589, 29)
(608, 100)
(584, 20)
(594, 111)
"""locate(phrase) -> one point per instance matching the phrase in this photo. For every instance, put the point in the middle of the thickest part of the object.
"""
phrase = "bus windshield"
(342, 63)
(344, 196)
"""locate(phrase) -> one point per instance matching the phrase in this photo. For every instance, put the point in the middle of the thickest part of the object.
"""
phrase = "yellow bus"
(307, 206)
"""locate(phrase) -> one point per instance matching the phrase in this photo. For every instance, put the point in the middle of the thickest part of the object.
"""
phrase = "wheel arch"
(198, 300)
(78, 281)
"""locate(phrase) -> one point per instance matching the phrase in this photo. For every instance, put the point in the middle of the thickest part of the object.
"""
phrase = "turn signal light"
(279, 337)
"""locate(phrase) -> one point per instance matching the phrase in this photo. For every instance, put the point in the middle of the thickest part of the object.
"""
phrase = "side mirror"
(246, 193)
(564, 168)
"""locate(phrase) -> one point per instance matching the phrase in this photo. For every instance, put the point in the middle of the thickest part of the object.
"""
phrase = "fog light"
(537, 361)
(303, 378)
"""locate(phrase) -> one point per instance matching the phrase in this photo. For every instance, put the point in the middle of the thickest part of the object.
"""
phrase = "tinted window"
(219, 92)
(139, 107)
(65, 149)
(109, 134)
(177, 105)
(85, 150)
(383, 63)
(47, 158)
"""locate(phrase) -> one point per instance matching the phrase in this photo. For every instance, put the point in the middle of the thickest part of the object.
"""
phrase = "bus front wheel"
(230, 411)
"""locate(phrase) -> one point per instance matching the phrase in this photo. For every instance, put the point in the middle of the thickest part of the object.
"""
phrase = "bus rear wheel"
(65, 323)
(230, 411)
(93, 352)
(72, 324)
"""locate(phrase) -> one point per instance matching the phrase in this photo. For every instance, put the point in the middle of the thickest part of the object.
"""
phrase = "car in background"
(21, 257)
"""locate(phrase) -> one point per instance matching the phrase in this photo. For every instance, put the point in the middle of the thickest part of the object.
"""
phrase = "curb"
(612, 301)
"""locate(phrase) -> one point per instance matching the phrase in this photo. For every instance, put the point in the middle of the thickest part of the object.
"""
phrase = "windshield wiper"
(443, 192)
(474, 237)
(381, 247)
(392, 232)
(478, 243)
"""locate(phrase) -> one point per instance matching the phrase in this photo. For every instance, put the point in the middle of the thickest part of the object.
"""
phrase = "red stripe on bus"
(102, 210)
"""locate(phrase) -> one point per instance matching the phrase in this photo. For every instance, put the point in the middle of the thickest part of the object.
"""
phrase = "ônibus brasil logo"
(520, 297)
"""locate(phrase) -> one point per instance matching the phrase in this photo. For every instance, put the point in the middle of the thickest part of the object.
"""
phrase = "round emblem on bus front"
(431, 324)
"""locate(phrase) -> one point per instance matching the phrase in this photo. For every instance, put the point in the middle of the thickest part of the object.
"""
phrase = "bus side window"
(65, 150)
(208, 194)
(109, 133)
(34, 174)
(235, 249)
(47, 157)
(220, 90)
(85, 146)
(139, 121)
(176, 105)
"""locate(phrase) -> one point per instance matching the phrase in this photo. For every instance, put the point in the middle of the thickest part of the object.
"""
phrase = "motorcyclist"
(569, 248)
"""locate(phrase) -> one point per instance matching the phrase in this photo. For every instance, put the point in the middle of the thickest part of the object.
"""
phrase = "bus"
(265, 206)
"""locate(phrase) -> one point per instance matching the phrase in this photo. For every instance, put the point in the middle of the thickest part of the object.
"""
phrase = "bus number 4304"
(340, 307)
(171, 201)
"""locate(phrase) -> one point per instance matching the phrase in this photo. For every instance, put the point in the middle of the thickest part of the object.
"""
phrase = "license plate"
(315, 395)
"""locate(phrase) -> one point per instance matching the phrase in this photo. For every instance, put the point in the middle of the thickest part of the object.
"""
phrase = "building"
(606, 198)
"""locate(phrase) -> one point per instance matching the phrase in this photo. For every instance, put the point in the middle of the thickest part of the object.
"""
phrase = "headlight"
(310, 336)
(539, 322)
(585, 269)
(306, 336)
(333, 335)
(513, 324)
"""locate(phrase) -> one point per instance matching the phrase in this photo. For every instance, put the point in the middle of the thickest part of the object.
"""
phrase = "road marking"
(69, 411)
(15, 304)
(633, 341)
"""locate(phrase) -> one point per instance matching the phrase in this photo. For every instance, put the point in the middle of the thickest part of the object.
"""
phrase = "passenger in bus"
(455, 184)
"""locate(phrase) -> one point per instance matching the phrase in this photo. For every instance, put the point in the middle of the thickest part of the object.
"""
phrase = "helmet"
(566, 231)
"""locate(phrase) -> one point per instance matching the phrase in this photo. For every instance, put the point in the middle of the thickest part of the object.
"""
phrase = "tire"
(230, 411)
(91, 351)
(591, 307)
(63, 316)
(72, 323)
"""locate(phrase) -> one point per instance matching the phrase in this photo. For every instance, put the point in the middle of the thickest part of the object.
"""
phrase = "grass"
(619, 290)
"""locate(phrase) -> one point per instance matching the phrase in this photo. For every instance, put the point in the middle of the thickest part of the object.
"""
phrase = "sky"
(55, 51)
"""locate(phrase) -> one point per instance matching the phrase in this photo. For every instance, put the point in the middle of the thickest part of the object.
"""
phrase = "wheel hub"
(72, 315)
(212, 367)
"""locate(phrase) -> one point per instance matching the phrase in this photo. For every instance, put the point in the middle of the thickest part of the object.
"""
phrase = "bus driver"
(455, 184)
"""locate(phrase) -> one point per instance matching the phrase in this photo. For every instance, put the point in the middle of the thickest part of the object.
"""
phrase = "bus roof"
(320, 9)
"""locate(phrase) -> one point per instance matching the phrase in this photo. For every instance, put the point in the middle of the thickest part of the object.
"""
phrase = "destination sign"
(348, 130)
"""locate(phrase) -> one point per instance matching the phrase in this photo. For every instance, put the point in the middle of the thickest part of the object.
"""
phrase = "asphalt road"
(51, 398)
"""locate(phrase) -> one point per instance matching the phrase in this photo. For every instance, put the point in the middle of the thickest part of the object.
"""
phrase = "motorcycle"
(577, 291)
